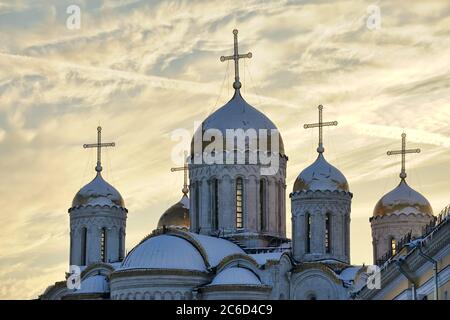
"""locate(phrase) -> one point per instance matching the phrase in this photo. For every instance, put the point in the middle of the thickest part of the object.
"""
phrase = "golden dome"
(321, 176)
(177, 215)
(98, 192)
(402, 200)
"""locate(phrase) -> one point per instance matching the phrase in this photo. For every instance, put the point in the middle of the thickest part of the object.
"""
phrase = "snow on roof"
(262, 258)
(236, 275)
(93, 284)
(349, 274)
(164, 252)
(216, 248)
(98, 192)
(321, 176)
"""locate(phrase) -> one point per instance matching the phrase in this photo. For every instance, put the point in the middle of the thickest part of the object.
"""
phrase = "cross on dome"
(99, 145)
(236, 56)
(320, 124)
(403, 152)
(184, 168)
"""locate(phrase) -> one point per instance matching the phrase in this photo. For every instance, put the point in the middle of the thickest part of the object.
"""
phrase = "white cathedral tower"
(236, 199)
(97, 219)
(321, 205)
(399, 212)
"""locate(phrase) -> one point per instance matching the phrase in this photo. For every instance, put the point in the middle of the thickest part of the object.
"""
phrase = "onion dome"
(402, 200)
(236, 276)
(98, 192)
(164, 252)
(321, 176)
(177, 215)
(237, 114)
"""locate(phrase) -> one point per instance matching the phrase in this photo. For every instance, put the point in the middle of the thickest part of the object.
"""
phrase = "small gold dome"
(402, 200)
(177, 215)
(98, 192)
(321, 176)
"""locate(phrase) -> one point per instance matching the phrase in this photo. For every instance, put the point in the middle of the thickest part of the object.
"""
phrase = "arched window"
(328, 233)
(197, 206)
(103, 245)
(308, 233)
(262, 204)
(239, 203)
(83, 246)
(393, 246)
(215, 203)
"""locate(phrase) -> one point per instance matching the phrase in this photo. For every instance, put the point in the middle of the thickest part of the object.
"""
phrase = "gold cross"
(184, 168)
(236, 56)
(320, 124)
(99, 145)
(403, 152)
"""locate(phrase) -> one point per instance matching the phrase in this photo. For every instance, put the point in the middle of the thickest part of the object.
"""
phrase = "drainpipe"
(407, 275)
(435, 268)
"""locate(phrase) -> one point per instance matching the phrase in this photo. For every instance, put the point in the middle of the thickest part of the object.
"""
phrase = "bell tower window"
(262, 204)
(393, 246)
(328, 233)
(239, 203)
(308, 233)
(103, 245)
(83, 246)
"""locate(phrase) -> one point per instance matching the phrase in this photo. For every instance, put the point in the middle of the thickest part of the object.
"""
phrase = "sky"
(142, 69)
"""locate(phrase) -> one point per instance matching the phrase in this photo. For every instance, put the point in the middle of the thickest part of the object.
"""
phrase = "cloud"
(143, 69)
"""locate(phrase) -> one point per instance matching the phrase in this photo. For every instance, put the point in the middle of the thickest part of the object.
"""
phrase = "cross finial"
(320, 124)
(184, 168)
(99, 145)
(236, 56)
(403, 152)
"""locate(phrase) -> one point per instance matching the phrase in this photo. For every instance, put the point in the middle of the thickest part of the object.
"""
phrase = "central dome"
(98, 192)
(402, 200)
(238, 114)
(321, 176)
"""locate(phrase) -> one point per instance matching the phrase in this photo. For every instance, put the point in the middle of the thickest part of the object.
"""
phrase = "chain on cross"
(236, 56)
(403, 152)
(320, 125)
(99, 145)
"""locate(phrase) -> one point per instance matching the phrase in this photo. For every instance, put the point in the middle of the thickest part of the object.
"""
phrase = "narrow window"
(120, 244)
(262, 204)
(328, 233)
(83, 246)
(393, 246)
(103, 245)
(197, 206)
(239, 203)
(308, 233)
(216, 203)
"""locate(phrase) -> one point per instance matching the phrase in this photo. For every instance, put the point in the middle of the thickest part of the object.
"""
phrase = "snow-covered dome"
(321, 176)
(402, 200)
(164, 252)
(177, 215)
(238, 114)
(93, 284)
(98, 192)
(236, 275)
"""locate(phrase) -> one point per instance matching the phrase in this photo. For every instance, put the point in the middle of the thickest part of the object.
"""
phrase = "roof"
(262, 258)
(98, 192)
(93, 284)
(236, 275)
(164, 252)
(321, 176)
(177, 215)
(402, 200)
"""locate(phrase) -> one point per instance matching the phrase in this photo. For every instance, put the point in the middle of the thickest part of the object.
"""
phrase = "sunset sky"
(142, 69)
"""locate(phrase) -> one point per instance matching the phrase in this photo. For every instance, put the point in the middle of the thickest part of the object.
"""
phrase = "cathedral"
(226, 237)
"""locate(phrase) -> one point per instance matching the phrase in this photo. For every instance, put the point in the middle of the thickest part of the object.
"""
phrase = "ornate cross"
(236, 56)
(184, 168)
(403, 152)
(320, 124)
(99, 145)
